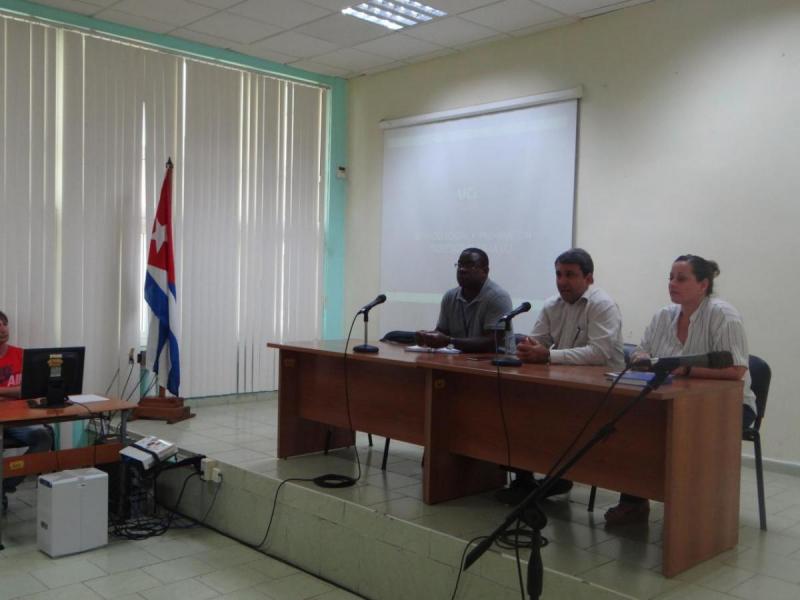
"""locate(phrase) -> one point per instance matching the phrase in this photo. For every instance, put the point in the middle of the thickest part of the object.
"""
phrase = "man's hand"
(636, 356)
(531, 351)
(432, 339)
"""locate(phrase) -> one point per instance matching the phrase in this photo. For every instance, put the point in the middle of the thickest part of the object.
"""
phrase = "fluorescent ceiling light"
(394, 14)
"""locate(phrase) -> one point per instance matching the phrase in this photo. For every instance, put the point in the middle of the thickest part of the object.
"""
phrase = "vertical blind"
(86, 127)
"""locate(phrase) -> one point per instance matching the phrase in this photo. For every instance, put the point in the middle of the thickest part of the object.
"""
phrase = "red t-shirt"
(11, 367)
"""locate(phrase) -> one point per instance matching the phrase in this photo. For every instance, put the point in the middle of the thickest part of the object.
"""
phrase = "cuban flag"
(161, 295)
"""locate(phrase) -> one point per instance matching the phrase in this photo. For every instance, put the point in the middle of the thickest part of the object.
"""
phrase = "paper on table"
(437, 350)
(86, 398)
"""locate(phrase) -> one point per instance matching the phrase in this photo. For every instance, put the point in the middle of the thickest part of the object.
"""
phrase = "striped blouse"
(715, 326)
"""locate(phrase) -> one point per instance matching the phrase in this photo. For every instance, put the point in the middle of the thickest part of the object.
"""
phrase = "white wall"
(689, 132)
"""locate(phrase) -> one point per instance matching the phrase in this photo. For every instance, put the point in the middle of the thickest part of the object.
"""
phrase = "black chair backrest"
(628, 350)
(760, 377)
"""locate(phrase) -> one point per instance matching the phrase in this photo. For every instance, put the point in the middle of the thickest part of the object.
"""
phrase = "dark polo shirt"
(462, 319)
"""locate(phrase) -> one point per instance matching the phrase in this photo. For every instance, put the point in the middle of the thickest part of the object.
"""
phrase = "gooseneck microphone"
(380, 299)
(524, 307)
(712, 360)
(509, 361)
(364, 310)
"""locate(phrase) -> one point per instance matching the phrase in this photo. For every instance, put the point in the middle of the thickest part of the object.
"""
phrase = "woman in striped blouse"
(696, 323)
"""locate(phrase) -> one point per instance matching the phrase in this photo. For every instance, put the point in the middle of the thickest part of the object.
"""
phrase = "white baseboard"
(772, 464)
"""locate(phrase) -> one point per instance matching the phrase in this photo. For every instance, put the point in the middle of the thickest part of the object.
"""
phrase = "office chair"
(760, 377)
(12, 443)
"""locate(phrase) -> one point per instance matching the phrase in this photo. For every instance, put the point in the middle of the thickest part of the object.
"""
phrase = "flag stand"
(161, 297)
(160, 407)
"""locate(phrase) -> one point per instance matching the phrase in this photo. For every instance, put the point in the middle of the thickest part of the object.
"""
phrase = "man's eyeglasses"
(466, 266)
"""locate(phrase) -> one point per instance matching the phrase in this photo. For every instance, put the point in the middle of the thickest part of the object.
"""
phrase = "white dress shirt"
(586, 332)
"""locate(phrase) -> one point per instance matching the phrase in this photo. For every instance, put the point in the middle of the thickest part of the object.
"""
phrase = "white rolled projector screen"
(503, 182)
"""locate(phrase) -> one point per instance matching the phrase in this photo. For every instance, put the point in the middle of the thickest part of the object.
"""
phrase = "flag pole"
(160, 288)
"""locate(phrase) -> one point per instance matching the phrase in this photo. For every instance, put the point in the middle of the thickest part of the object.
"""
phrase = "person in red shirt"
(36, 438)
(10, 362)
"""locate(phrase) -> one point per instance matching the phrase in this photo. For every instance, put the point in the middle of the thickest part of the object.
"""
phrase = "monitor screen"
(52, 373)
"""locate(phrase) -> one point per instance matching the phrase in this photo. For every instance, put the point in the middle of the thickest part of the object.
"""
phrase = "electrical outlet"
(207, 467)
(130, 355)
(216, 475)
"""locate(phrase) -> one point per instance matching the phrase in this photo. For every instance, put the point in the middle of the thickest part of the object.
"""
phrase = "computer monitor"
(52, 374)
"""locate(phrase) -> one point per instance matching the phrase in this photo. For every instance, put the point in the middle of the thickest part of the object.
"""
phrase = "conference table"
(17, 413)
(681, 445)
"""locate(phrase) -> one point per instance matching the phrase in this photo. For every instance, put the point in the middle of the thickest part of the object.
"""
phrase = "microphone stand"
(535, 517)
(507, 360)
(365, 347)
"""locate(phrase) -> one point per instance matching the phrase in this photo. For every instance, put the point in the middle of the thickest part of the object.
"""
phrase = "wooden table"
(680, 446)
(17, 413)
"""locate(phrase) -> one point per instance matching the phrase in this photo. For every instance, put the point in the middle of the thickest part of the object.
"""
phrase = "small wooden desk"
(17, 413)
(681, 445)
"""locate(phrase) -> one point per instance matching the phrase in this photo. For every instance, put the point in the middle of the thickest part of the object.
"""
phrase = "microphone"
(509, 361)
(524, 307)
(367, 307)
(712, 360)
(365, 347)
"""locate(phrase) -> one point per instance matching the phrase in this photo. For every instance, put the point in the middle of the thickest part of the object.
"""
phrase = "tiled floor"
(193, 564)
(764, 565)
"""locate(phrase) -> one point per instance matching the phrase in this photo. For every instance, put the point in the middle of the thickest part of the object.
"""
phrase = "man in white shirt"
(582, 325)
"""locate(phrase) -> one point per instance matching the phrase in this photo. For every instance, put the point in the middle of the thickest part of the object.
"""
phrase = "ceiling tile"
(251, 50)
(218, 4)
(314, 67)
(450, 31)
(431, 56)
(296, 44)
(75, 6)
(234, 28)
(575, 7)
(398, 46)
(384, 68)
(545, 26)
(481, 42)
(509, 15)
(175, 12)
(342, 30)
(279, 12)
(116, 16)
(611, 8)
(454, 7)
(333, 5)
(352, 60)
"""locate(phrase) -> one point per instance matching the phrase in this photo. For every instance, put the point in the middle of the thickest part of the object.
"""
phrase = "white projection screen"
(503, 182)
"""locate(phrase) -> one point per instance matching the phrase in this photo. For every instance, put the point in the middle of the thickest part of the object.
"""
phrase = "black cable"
(503, 417)
(150, 387)
(272, 513)
(91, 414)
(334, 480)
(140, 528)
(508, 540)
(597, 409)
(213, 500)
(127, 379)
(113, 379)
(329, 480)
(147, 391)
(461, 563)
